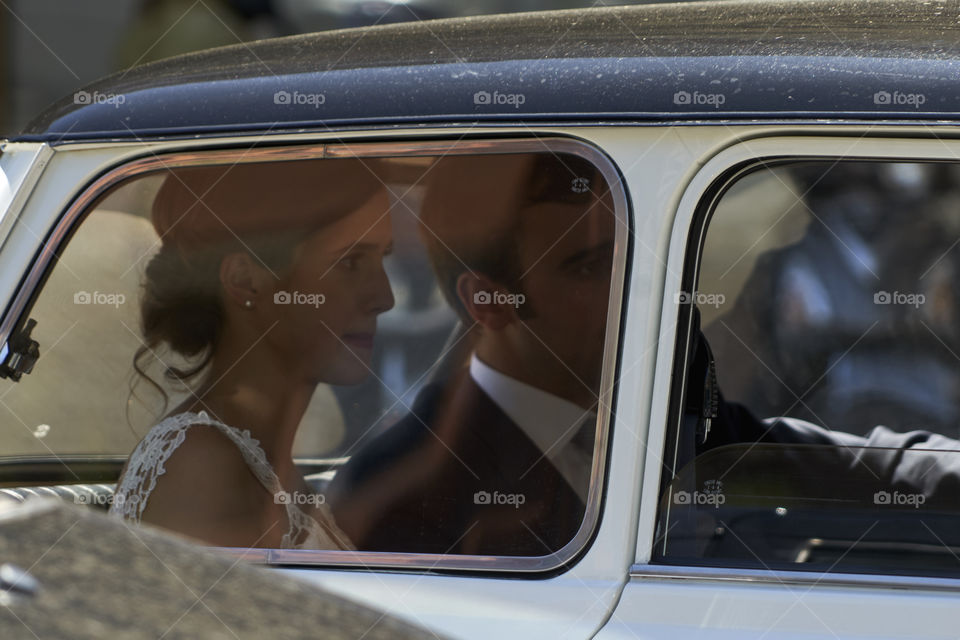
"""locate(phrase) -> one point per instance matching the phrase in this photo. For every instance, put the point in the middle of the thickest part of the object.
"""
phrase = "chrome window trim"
(789, 578)
(924, 127)
(551, 142)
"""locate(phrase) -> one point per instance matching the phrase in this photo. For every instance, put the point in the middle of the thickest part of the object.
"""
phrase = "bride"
(270, 277)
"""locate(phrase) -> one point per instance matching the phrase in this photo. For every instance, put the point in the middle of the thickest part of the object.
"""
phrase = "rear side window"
(381, 351)
(818, 424)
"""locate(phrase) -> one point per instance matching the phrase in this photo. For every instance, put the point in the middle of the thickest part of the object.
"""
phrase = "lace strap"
(146, 465)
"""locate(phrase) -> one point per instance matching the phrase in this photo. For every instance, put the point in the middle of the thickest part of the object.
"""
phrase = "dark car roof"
(807, 59)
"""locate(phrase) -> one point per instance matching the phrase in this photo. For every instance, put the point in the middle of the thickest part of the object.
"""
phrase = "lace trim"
(146, 465)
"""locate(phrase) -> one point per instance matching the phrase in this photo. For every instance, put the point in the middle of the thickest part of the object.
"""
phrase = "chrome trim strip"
(78, 458)
(551, 143)
(874, 127)
(81, 458)
(252, 555)
(789, 578)
(442, 147)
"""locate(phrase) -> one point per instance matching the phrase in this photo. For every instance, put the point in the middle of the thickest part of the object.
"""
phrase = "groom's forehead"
(475, 191)
(483, 194)
(555, 229)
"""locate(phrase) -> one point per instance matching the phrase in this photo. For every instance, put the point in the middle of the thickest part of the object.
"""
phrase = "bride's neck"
(258, 394)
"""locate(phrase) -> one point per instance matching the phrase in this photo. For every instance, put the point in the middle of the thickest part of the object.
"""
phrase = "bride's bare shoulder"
(205, 483)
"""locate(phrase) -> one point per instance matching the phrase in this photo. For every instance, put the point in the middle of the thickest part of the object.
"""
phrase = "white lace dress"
(147, 461)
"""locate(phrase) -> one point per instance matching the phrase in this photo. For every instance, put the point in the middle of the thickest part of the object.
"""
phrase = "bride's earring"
(248, 304)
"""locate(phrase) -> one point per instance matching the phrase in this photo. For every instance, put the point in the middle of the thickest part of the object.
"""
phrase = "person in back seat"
(271, 275)
(497, 459)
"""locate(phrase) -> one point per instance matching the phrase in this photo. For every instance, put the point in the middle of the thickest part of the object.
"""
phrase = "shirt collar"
(548, 420)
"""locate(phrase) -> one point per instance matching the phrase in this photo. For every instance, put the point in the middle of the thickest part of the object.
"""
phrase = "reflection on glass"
(391, 354)
(827, 294)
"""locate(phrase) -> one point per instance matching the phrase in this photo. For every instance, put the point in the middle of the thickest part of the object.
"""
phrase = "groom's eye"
(351, 262)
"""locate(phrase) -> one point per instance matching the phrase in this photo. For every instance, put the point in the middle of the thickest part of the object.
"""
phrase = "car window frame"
(688, 228)
(210, 153)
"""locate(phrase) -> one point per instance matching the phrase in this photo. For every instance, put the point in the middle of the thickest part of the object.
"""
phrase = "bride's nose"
(379, 293)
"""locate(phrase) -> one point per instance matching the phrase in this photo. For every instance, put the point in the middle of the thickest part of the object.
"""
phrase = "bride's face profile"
(323, 308)
(279, 264)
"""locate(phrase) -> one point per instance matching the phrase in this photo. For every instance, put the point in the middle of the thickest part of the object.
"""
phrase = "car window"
(819, 425)
(392, 353)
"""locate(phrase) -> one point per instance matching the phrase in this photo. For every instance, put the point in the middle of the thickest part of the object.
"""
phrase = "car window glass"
(828, 303)
(394, 354)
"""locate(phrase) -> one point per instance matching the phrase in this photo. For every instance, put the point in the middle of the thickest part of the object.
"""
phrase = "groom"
(496, 459)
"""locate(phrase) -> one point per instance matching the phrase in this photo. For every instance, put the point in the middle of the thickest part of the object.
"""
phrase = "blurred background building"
(52, 47)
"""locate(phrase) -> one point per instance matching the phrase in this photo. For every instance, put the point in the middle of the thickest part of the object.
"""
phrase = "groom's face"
(566, 256)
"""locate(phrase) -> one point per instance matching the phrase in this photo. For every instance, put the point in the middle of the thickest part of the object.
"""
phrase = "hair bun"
(180, 306)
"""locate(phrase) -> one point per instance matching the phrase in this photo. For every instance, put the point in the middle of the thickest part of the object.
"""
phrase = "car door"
(821, 271)
(75, 261)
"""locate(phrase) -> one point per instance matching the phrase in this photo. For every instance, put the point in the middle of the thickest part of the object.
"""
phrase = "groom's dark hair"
(473, 207)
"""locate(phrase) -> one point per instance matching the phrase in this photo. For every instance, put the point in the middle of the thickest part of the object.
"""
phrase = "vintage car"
(585, 257)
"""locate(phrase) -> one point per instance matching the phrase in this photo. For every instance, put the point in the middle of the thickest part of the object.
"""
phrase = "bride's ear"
(244, 281)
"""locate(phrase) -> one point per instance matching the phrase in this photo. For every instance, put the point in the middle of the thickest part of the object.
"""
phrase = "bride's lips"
(359, 340)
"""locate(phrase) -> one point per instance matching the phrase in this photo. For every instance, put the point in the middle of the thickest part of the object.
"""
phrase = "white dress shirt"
(548, 420)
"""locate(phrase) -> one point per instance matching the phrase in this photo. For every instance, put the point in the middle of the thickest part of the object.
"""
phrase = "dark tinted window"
(827, 295)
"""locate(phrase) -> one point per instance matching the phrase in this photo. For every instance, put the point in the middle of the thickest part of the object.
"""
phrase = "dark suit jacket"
(456, 475)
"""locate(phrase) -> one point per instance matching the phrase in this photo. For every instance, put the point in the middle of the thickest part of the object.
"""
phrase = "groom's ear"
(243, 279)
(483, 299)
